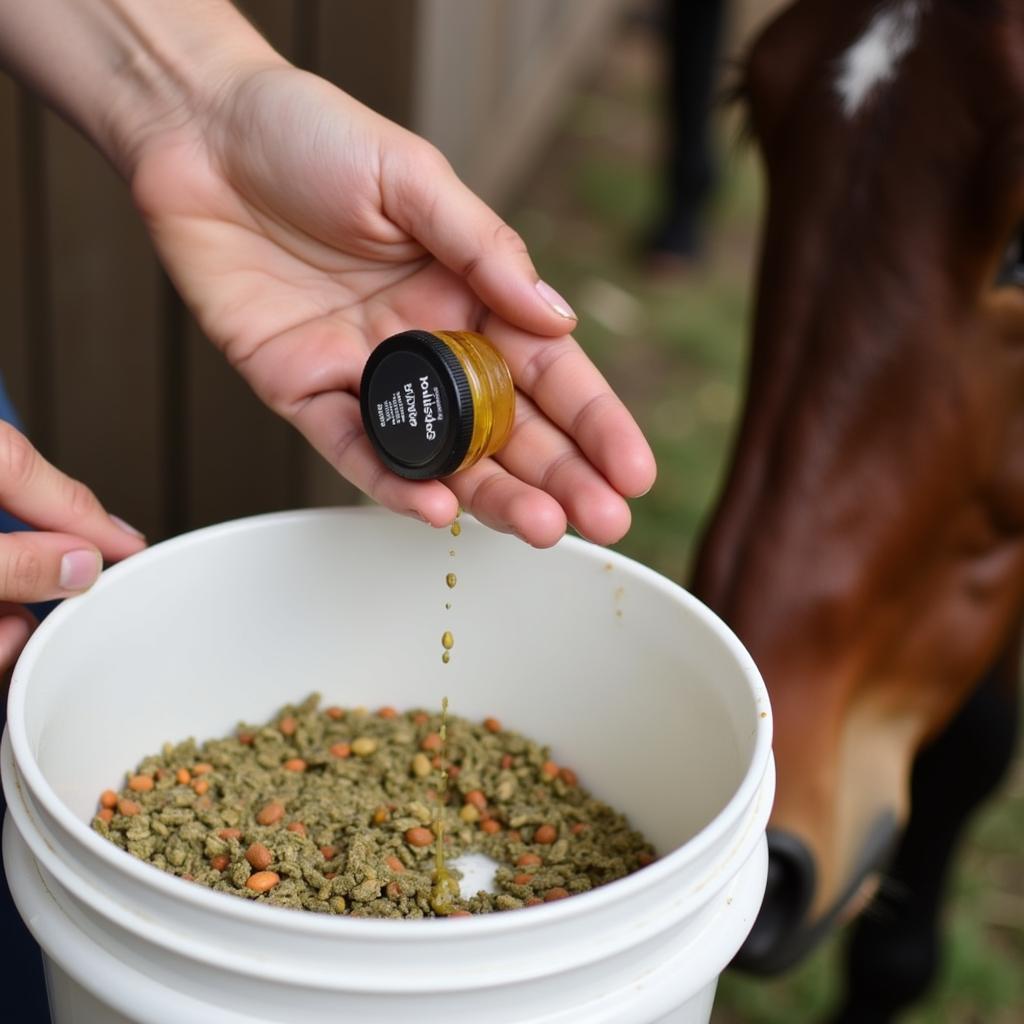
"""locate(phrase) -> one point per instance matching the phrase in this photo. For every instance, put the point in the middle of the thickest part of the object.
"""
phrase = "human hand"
(302, 229)
(40, 566)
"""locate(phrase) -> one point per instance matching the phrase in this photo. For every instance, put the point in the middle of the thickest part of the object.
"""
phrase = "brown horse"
(869, 544)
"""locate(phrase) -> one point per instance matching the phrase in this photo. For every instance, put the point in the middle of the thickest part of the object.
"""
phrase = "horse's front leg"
(894, 951)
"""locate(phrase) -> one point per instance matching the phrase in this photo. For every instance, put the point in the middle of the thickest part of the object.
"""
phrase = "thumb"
(467, 236)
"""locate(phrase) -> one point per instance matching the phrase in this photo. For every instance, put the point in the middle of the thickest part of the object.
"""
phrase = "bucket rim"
(375, 929)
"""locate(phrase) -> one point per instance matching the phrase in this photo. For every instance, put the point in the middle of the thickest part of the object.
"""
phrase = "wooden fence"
(115, 382)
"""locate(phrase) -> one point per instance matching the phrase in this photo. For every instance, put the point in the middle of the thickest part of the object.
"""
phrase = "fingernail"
(79, 570)
(554, 300)
(127, 527)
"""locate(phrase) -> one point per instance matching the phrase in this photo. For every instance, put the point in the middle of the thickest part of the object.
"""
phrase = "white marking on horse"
(873, 58)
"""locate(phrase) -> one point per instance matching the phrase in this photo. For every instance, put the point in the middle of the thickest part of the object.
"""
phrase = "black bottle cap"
(417, 406)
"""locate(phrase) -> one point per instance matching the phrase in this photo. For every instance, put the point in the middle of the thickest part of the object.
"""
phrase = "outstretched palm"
(302, 229)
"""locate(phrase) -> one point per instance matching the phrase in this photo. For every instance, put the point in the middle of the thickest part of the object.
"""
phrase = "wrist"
(122, 70)
(172, 65)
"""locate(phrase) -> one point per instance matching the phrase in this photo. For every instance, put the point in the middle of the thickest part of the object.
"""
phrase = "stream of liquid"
(445, 888)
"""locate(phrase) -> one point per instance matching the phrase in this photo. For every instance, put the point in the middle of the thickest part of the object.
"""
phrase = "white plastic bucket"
(632, 681)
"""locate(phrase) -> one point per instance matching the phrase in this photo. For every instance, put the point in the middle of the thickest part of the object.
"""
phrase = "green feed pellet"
(334, 810)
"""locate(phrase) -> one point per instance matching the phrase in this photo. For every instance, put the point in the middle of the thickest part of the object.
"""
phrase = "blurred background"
(556, 111)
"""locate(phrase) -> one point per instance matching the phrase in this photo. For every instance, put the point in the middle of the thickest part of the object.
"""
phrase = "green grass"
(675, 352)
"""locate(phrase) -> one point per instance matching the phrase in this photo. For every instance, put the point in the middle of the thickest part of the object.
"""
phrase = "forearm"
(122, 69)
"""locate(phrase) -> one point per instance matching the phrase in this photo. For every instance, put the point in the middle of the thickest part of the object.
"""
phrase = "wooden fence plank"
(15, 349)
(455, 84)
(276, 21)
(238, 454)
(104, 285)
(492, 145)
(238, 451)
(368, 49)
(530, 24)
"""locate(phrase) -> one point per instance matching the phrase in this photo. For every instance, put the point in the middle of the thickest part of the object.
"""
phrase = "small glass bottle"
(435, 402)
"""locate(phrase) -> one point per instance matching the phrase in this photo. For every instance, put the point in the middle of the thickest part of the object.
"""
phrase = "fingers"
(468, 237)
(332, 423)
(15, 628)
(44, 566)
(542, 477)
(507, 504)
(498, 498)
(570, 391)
(540, 455)
(40, 494)
(538, 481)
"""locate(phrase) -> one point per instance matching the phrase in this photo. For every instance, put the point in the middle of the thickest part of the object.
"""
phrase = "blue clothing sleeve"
(8, 524)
